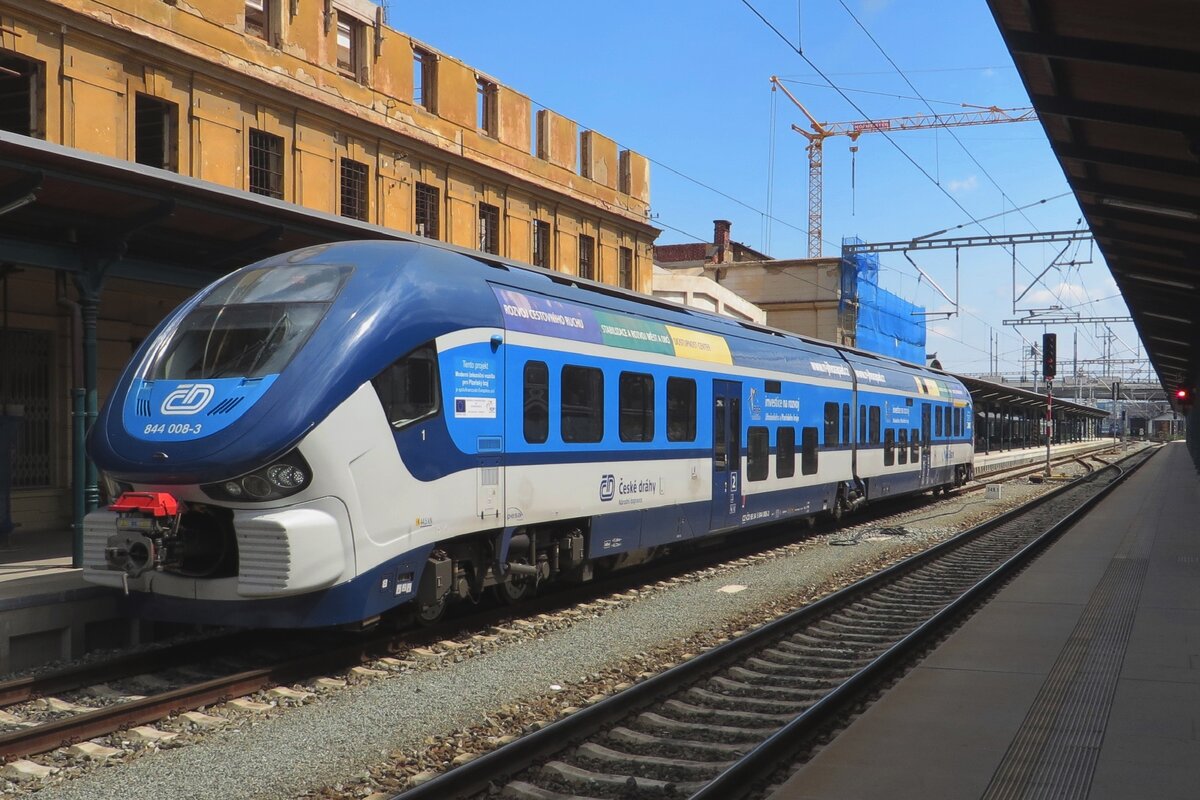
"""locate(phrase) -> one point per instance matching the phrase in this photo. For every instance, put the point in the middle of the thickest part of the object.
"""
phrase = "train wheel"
(513, 591)
(433, 614)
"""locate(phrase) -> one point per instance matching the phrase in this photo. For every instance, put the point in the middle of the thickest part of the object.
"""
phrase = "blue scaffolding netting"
(884, 323)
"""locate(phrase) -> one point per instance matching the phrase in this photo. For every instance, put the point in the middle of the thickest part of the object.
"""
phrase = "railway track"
(713, 727)
(96, 699)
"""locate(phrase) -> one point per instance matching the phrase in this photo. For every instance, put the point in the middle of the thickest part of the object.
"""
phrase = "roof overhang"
(1117, 88)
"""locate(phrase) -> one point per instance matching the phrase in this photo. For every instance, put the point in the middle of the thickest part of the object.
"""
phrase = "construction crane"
(985, 115)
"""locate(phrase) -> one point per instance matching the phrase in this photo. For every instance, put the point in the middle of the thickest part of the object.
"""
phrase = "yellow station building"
(316, 103)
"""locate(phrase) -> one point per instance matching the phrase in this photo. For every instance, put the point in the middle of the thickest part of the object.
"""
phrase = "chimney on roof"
(721, 239)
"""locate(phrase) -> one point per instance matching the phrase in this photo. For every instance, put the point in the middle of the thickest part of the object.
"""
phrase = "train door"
(926, 443)
(727, 454)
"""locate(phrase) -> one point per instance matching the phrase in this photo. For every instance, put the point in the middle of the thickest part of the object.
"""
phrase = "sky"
(687, 84)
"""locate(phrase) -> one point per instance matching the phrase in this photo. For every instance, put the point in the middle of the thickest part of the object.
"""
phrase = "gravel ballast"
(315, 748)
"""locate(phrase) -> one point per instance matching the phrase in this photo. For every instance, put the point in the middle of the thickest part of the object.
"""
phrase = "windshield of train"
(250, 325)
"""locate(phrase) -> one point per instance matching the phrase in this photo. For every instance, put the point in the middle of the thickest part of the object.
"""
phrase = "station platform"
(47, 612)
(986, 463)
(1080, 679)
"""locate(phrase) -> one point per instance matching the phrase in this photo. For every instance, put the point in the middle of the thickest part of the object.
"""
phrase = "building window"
(681, 410)
(537, 402)
(349, 46)
(587, 257)
(582, 408)
(785, 452)
(22, 95)
(427, 211)
(408, 389)
(758, 453)
(28, 360)
(155, 123)
(808, 451)
(258, 16)
(636, 407)
(353, 187)
(424, 78)
(831, 424)
(625, 268)
(489, 228)
(486, 105)
(266, 164)
(541, 243)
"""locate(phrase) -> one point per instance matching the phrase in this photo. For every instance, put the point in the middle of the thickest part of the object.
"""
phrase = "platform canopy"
(1116, 85)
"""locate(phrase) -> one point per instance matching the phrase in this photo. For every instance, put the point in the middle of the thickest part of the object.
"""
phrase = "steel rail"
(740, 779)
(476, 776)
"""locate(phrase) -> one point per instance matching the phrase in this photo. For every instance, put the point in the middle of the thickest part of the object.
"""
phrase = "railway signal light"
(1049, 355)
(1183, 398)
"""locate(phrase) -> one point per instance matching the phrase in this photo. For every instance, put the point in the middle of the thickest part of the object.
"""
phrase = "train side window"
(874, 424)
(937, 421)
(831, 424)
(582, 407)
(758, 453)
(914, 441)
(958, 418)
(808, 451)
(681, 410)
(889, 448)
(847, 433)
(408, 389)
(902, 446)
(785, 452)
(862, 424)
(636, 407)
(537, 402)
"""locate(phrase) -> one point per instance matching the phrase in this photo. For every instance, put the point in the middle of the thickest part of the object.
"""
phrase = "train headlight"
(286, 476)
(283, 477)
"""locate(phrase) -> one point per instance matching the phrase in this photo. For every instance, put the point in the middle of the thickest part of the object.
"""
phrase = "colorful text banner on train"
(549, 317)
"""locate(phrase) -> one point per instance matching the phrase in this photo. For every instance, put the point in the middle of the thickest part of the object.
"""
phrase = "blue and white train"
(350, 430)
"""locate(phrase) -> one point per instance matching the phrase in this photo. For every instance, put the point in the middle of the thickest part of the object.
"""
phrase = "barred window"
(266, 164)
(625, 268)
(427, 211)
(489, 228)
(354, 189)
(587, 257)
(26, 381)
(541, 243)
